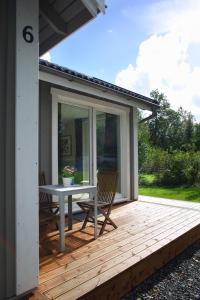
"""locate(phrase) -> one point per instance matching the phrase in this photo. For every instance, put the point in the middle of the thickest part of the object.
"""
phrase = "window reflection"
(108, 143)
(73, 141)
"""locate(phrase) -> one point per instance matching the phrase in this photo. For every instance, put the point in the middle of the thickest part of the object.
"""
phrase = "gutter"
(153, 115)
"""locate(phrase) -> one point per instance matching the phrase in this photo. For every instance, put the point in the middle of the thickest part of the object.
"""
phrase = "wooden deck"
(150, 233)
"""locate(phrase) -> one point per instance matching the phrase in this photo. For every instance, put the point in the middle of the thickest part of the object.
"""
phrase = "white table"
(62, 192)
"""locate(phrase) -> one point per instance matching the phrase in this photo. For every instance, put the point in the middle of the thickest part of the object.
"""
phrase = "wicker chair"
(106, 189)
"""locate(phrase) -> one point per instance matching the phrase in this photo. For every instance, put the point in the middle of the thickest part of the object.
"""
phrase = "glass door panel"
(74, 141)
(108, 143)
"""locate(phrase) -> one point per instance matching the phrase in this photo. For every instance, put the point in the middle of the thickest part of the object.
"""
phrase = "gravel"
(178, 280)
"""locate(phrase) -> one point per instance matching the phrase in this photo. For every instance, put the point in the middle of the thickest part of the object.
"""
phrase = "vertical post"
(70, 212)
(95, 213)
(134, 153)
(26, 147)
(62, 221)
(93, 149)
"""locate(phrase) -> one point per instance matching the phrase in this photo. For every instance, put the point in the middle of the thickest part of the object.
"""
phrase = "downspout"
(154, 114)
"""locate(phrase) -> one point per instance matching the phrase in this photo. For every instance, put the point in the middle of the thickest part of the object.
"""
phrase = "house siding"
(7, 149)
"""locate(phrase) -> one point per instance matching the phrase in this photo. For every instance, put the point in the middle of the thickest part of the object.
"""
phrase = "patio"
(151, 232)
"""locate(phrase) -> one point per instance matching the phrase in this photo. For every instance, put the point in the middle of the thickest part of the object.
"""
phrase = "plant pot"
(67, 181)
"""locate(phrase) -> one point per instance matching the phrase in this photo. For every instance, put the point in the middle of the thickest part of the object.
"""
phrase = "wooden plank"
(124, 282)
(89, 251)
(141, 271)
(100, 244)
(170, 202)
(122, 254)
(150, 235)
(115, 244)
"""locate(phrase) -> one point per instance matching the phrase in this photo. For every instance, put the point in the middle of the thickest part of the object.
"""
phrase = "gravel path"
(178, 280)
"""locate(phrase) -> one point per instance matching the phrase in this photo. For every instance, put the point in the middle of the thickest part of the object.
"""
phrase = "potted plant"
(68, 175)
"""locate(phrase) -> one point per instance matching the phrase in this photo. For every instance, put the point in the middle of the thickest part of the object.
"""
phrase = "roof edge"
(45, 65)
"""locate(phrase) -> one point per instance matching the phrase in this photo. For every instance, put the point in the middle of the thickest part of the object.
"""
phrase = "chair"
(47, 208)
(106, 189)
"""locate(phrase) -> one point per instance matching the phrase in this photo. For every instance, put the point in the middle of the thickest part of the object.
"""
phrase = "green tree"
(197, 136)
(187, 126)
(169, 145)
(144, 146)
(165, 129)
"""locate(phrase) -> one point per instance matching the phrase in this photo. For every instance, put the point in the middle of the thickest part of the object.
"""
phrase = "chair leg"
(55, 212)
(57, 227)
(103, 227)
(86, 219)
(112, 223)
(106, 221)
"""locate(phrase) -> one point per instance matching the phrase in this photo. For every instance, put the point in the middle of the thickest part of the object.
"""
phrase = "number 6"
(27, 34)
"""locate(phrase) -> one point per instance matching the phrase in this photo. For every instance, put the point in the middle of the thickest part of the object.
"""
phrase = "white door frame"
(61, 96)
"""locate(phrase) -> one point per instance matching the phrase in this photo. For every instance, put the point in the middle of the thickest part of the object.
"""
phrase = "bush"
(144, 154)
(172, 169)
(181, 168)
(155, 161)
(147, 179)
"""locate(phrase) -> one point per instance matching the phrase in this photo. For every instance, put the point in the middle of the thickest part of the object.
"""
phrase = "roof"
(93, 80)
(60, 18)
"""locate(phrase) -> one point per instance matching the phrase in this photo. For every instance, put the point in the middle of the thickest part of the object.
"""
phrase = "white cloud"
(46, 56)
(109, 30)
(164, 59)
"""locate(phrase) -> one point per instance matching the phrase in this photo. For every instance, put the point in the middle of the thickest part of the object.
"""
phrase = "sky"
(141, 45)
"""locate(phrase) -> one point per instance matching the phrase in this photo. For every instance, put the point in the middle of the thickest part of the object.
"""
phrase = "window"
(74, 141)
(108, 143)
(90, 135)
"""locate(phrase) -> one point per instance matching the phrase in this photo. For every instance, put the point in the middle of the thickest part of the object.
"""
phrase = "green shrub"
(181, 168)
(155, 161)
(171, 169)
(147, 179)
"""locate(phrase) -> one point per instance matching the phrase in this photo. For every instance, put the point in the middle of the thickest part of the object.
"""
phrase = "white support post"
(27, 74)
(134, 153)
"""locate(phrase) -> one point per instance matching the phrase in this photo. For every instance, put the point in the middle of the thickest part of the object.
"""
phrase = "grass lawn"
(178, 193)
(148, 188)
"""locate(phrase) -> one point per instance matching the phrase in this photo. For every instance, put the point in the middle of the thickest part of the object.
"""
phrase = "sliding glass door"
(108, 143)
(90, 136)
(74, 141)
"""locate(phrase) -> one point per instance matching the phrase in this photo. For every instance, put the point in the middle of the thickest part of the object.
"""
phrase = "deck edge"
(121, 284)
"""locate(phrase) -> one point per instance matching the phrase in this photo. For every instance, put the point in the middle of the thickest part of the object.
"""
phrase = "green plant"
(147, 179)
(181, 168)
(68, 171)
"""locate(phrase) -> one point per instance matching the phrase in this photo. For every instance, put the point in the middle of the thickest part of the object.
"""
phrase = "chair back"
(106, 186)
(44, 198)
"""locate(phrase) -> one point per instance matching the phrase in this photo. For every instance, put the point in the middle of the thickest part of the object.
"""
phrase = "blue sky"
(141, 45)
(105, 45)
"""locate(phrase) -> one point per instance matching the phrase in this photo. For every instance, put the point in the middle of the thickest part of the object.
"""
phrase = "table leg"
(95, 215)
(70, 212)
(62, 222)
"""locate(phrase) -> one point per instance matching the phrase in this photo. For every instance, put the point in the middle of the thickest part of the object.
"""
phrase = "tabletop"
(71, 190)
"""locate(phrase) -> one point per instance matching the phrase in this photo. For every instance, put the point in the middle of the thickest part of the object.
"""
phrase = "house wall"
(7, 149)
